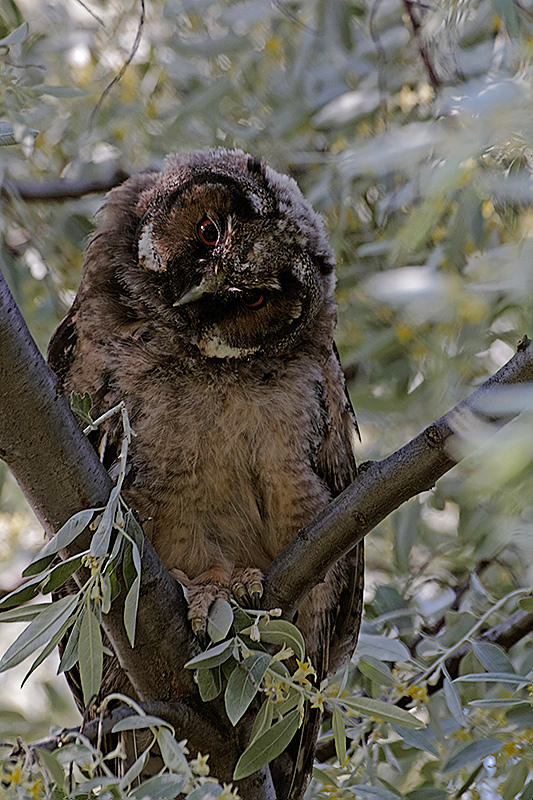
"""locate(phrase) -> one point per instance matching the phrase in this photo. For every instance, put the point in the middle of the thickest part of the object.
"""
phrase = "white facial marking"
(214, 347)
(148, 258)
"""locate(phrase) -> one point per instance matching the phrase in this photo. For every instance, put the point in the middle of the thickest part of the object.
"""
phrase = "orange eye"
(208, 232)
(254, 298)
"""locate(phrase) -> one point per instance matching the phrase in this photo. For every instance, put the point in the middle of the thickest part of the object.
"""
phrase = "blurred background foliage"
(410, 128)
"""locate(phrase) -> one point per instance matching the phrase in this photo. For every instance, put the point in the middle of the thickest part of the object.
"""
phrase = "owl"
(206, 304)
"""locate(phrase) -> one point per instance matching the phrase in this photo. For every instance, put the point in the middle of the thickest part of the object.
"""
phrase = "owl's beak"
(208, 285)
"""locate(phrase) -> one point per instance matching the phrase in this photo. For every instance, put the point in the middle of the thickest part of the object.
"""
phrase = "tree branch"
(384, 485)
(63, 190)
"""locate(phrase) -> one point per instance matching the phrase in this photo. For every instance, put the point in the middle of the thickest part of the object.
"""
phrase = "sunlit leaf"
(90, 654)
(267, 746)
(243, 685)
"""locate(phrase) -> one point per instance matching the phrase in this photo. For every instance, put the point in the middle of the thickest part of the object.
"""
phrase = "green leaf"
(453, 702)
(373, 792)
(65, 535)
(162, 787)
(137, 722)
(515, 780)
(476, 751)
(209, 791)
(499, 702)
(39, 631)
(60, 574)
(213, 656)
(493, 677)
(493, 657)
(133, 529)
(52, 765)
(81, 405)
(131, 602)
(102, 536)
(382, 648)
(49, 647)
(385, 712)
(263, 720)
(24, 614)
(243, 685)
(421, 739)
(70, 653)
(219, 620)
(171, 752)
(267, 746)
(284, 633)
(23, 593)
(135, 770)
(339, 733)
(91, 655)
(60, 91)
(17, 36)
(526, 604)
(376, 670)
(209, 683)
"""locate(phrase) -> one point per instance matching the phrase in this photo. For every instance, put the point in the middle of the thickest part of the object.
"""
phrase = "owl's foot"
(200, 599)
(247, 586)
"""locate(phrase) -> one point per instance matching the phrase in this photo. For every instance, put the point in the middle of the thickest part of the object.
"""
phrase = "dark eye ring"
(253, 299)
(208, 232)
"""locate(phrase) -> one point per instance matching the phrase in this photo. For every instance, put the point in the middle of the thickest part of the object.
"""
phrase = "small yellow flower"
(199, 764)
(305, 668)
(511, 748)
(286, 652)
(318, 701)
(229, 793)
(418, 693)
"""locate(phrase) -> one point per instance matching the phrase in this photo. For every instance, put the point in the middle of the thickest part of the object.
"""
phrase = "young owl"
(206, 304)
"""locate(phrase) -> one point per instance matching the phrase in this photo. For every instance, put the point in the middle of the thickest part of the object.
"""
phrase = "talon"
(198, 625)
(256, 589)
(239, 593)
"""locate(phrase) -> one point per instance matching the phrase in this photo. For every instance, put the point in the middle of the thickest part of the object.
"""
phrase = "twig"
(62, 190)
(416, 25)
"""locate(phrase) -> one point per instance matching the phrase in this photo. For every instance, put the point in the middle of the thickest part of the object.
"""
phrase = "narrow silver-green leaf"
(39, 631)
(102, 536)
(219, 620)
(476, 751)
(61, 573)
(17, 36)
(70, 653)
(209, 683)
(171, 752)
(373, 792)
(131, 604)
(376, 670)
(24, 614)
(453, 701)
(385, 712)
(493, 657)
(60, 91)
(50, 646)
(134, 771)
(382, 647)
(209, 791)
(162, 787)
(52, 765)
(421, 739)
(91, 655)
(65, 535)
(267, 746)
(243, 685)
(339, 733)
(213, 656)
(22, 593)
(493, 677)
(137, 722)
(282, 632)
(263, 720)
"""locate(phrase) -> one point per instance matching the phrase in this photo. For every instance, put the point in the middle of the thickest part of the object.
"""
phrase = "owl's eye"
(208, 232)
(253, 298)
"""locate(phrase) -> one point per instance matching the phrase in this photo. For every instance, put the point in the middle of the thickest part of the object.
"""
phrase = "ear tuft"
(148, 256)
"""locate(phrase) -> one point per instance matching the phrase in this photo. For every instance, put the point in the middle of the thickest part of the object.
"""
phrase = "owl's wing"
(337, 467)
(62, 346)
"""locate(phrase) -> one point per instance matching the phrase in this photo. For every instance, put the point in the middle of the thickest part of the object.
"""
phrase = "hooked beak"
(209, 285)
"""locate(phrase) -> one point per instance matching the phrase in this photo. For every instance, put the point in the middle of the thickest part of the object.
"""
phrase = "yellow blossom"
(285, 652)
(418, 693)
(229, 793)
(199, 764)
(318, 701)
(305, 668)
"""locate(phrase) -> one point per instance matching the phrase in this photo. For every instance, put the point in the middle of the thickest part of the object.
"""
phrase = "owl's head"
(222, 249)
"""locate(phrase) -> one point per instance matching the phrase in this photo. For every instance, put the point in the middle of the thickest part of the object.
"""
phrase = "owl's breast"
(223, 470)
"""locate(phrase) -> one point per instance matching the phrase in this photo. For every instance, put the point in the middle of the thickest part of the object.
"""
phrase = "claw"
(199, 626)
(239, 593)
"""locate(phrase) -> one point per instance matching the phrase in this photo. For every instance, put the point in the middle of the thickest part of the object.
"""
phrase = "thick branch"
(385, 485)
(60, 473)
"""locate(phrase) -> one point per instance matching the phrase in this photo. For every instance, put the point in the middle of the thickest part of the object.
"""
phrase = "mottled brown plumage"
(207, 305)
